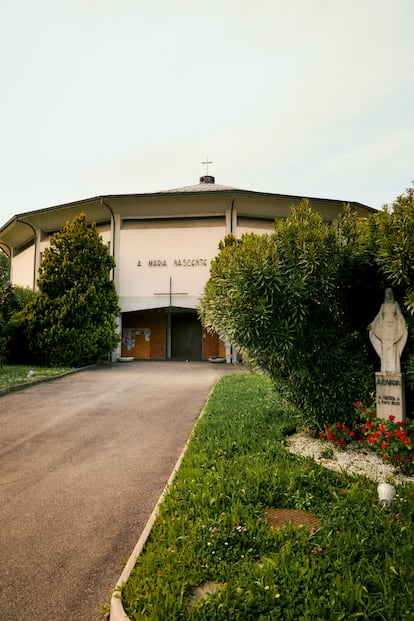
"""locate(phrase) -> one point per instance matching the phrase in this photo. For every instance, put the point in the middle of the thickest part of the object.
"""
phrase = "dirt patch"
(204, 591)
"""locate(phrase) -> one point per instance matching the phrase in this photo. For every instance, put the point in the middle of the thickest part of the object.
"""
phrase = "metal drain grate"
(278, 518)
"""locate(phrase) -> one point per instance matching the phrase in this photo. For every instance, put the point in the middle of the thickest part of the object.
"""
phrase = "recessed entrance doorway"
(167, 334)
(186, 336)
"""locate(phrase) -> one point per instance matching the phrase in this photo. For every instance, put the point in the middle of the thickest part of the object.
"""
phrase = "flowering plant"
(339, 434)
(392, 440)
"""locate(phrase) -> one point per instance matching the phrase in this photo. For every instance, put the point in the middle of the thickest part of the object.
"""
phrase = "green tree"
(4, 268)
(8, 304)
(283, 300)
(393, 232)
(12, 301)
(72, 320)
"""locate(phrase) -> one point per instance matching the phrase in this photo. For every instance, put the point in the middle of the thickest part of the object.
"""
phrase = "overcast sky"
(304, 97)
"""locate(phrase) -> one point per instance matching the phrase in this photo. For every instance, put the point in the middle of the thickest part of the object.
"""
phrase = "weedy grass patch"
(12, 375)
(212, 528)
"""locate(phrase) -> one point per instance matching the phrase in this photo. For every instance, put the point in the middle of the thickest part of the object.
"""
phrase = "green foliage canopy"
(283, 300)
(395, 245)
(72, 320)
(392, 233)
(4, 268)
(12, 301)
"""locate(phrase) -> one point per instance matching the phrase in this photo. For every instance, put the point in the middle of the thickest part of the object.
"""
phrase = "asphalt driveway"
(83, 460)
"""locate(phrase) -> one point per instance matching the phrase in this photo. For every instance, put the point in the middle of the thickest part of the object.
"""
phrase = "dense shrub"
(72, 320)
(13, 345)
(293, 303)
(392, 232)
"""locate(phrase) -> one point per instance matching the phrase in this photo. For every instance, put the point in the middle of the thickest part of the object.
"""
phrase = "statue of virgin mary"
(388, 333)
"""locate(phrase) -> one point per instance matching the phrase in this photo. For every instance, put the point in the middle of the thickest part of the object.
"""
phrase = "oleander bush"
(297, 303)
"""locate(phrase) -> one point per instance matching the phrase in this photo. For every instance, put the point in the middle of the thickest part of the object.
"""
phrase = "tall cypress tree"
(72, 320)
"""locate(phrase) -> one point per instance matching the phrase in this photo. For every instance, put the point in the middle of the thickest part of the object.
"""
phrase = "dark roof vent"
(207, 179)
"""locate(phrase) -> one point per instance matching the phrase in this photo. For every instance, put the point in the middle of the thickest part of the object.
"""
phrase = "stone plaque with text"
(390, 395)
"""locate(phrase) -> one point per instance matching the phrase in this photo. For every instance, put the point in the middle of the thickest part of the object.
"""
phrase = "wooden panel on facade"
(143, 335)
(212, 346)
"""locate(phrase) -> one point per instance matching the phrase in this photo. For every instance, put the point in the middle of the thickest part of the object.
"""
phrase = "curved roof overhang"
(21, 229)
(212, 200)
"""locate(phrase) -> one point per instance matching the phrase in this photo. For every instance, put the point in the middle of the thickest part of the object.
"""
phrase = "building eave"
(19, 230)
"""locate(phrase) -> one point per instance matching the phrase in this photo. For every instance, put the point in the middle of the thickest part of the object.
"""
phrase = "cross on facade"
(170, 292)
(206, 163)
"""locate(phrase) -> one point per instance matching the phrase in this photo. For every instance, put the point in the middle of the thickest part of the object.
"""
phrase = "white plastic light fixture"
(386, 494)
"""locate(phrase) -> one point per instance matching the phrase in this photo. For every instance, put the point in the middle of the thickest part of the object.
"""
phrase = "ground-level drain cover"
(278, 518)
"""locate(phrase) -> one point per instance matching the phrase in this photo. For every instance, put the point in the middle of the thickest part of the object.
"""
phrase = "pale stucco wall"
(152, 253)
(250, 226)
(22, 271)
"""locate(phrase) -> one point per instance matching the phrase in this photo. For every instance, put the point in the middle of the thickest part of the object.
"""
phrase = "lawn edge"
(117, 612)
(34, 382)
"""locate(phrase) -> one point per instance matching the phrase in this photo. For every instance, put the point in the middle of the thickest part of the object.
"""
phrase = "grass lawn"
(212, 530)
(11, 375)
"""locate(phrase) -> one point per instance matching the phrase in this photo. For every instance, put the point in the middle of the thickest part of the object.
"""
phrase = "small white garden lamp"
(386, 494)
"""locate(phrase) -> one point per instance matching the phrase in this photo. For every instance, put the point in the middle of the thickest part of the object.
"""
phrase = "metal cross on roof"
(207, 162)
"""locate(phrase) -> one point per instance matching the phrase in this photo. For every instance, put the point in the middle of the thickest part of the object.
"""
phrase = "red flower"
(338, 426)
(383, 445)
(397, 458)
(372, 414)
(351, 434)
(321, 434)
(392, 418)
(357, 404)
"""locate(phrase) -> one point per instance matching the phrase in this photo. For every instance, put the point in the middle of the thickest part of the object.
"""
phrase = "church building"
(162, 243)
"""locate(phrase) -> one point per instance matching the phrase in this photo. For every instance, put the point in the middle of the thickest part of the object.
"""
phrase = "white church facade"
(163, 244)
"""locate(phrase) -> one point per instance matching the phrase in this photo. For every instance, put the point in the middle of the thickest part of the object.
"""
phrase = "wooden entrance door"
(186, 337)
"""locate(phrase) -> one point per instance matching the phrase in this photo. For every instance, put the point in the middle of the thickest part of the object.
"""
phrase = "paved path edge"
(117, 612)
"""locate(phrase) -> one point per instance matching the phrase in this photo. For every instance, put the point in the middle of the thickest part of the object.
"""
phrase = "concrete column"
(116, 253)
(36, 260)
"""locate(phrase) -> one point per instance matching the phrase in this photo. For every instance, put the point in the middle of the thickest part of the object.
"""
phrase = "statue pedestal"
(390, 395)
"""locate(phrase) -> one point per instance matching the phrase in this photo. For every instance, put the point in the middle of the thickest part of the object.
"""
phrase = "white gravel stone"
(353, 459)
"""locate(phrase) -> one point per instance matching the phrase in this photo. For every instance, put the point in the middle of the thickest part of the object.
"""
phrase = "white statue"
(388, 333)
